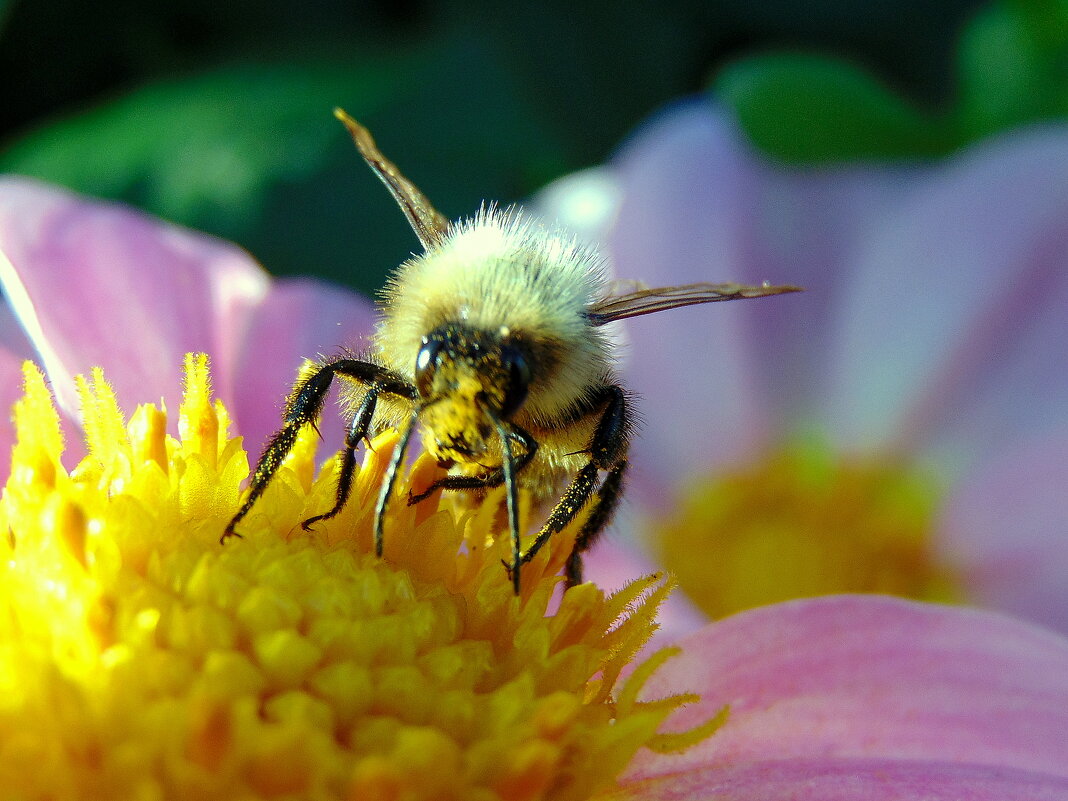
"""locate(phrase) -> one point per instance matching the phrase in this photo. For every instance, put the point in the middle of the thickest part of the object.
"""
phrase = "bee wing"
(427, 222)
(647, 301)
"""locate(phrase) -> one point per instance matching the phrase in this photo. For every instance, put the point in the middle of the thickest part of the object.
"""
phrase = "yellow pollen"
(805, 522)
(141, 659)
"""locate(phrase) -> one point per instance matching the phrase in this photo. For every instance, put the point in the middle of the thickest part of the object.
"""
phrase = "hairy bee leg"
(608, 496)
(357, 432)
(303, 408)
(277, 449)
(494, 478)
(607, 450)
(395, 462)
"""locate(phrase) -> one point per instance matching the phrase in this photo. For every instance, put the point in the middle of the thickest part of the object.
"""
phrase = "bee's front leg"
(303, 407)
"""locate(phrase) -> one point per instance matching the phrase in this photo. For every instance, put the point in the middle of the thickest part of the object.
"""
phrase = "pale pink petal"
(15, 348)
(10, 391)
(97, 284)
(870, 678)
(299, 319)
(1005, 529)
(698, 204)
(953, 327)
(847, 780)
(12, 338)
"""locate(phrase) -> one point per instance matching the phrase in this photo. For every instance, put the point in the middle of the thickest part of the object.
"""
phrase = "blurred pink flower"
(833, 698)
(98, 284)
(933, 333)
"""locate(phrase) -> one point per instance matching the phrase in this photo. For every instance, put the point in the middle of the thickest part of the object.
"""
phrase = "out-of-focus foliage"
(1011, 67)
(217, 115)
(251, 152)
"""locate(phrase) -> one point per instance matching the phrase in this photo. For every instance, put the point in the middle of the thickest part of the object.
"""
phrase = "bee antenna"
(428, 223)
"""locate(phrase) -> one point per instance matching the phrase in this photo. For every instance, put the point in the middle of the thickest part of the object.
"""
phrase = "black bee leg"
(508, 472)
(302, 408)
(392, 471)
(357, 432)
(607, 452)
(494, 478)
(608, 496)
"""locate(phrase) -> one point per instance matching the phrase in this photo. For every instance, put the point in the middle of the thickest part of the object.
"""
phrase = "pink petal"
(953, 329)
(10, 391)
(98, 284)
(299, 319)
(861, 678)
(15, 348)
(1005, 528)
(847, 780)
(699, 205)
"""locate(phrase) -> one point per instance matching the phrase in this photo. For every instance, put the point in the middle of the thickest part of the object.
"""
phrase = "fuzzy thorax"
(515, 280)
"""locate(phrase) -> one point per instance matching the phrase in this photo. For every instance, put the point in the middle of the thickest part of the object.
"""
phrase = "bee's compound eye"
(426, 362)
(518, 380)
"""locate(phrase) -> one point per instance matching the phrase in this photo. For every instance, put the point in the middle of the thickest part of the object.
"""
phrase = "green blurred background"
(218, 115)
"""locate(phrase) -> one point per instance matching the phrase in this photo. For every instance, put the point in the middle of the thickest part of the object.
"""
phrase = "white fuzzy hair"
(503, 273)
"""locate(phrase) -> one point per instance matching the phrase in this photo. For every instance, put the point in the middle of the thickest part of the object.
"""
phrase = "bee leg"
(395, 462)
(607, 452)
(608, 496)
(508, 471)
(494, 478)
(303, 408)
(357, 432)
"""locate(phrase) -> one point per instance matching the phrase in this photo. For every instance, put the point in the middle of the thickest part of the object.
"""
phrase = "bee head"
(487, 370)
(465, 378)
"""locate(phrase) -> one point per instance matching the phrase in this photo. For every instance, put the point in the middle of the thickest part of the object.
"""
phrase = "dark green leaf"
(812, 109)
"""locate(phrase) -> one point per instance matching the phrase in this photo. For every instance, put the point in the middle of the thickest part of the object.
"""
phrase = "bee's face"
(466, 379)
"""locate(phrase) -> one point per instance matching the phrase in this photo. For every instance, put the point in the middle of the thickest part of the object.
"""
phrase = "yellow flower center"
(141, 659)
(804, 522)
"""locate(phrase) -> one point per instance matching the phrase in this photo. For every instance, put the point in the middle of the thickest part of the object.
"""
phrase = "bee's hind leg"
(608, 496)
(608, 450)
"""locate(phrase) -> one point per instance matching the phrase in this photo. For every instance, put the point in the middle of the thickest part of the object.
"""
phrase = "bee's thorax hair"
(513, 281)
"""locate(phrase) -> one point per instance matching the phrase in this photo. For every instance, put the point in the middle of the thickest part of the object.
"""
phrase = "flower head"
(903, 424)
(141, 656)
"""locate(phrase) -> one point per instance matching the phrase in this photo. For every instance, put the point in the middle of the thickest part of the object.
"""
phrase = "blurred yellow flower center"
(141, 659)
(804, 522)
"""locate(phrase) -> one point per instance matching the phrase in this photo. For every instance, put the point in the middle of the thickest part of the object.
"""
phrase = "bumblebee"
(491, 343)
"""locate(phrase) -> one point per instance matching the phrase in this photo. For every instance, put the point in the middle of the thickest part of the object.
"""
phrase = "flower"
(901, 426)
(96, 283)
(142, 659)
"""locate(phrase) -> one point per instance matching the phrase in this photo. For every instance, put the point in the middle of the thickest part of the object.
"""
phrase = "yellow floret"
(141, 659)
